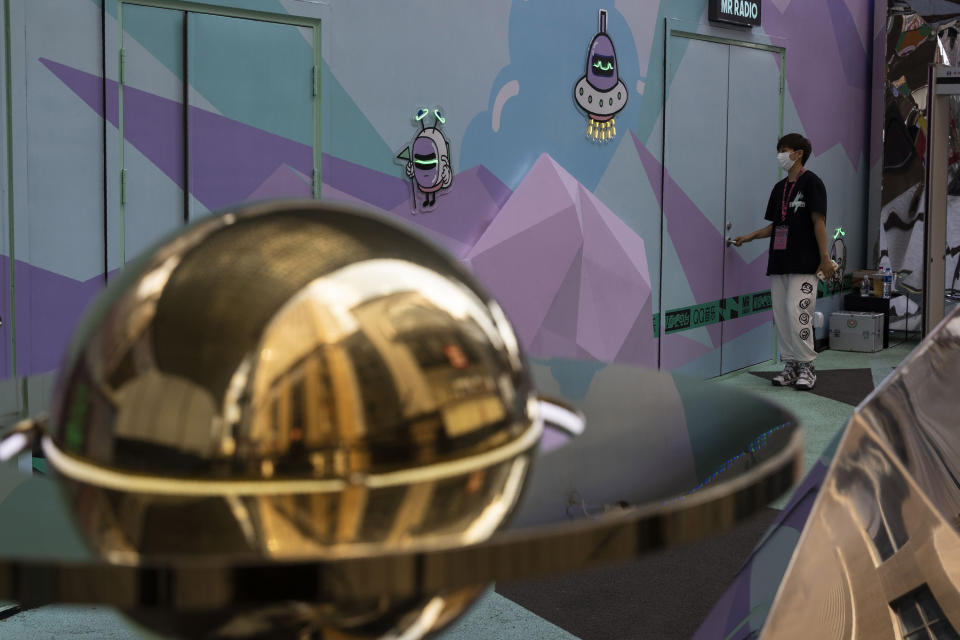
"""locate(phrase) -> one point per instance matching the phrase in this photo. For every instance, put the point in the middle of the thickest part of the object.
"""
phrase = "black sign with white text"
(744, 12)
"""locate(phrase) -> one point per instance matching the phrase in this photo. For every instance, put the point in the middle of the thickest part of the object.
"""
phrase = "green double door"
(215, 110)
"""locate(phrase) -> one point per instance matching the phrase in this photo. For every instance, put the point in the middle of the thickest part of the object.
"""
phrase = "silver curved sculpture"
(879, 556)
(301, 420)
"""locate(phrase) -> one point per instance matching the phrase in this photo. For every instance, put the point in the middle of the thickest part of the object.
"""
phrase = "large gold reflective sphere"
(292, 380)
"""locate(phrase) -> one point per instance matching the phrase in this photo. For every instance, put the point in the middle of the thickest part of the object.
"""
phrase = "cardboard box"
(856, 331)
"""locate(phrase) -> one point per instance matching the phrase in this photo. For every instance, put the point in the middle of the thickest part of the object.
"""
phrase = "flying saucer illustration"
(600, 92)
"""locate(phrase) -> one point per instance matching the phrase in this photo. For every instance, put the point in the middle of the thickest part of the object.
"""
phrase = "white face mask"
(785, 161)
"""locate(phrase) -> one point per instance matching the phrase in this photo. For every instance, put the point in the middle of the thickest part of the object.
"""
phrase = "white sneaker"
(786, 377)
(806, 376)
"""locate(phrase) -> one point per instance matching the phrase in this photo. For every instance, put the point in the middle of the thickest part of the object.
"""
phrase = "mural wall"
(553, 203)
(913, 42)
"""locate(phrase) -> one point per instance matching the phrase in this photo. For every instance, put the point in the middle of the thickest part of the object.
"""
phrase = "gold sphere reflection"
(292, 380)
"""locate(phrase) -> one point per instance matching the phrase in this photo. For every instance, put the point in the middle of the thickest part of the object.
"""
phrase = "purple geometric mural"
(218, 145)
(828, 83)
(595, 296)
(464, 212)
(5, 360)
(568, 272)
(261, 164)
(690, 230)
(285, 182)
(48, 308)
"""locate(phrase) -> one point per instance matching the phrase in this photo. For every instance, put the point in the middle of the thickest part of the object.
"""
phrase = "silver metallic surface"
(292, 380)
(300, 420)
(885, 529)
(627, 468)
(287, 381)
(194, 597)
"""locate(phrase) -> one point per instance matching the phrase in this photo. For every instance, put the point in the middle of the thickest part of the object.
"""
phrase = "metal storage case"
(856, 331)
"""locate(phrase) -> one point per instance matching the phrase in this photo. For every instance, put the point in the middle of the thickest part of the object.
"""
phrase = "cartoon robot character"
(600, 92)
(428, 159)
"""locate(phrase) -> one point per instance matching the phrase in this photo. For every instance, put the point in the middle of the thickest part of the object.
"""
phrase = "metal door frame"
(670, 34)
(8, 136)
(225, 12)
(940, 90)
(10, 389)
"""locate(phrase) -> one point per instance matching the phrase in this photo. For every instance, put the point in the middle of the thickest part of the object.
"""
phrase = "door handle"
(729, 241)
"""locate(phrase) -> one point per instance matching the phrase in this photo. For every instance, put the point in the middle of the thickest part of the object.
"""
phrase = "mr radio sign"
(742, 12)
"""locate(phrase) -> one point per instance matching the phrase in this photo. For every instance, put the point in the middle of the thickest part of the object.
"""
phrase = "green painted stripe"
(702, 315)
(40, 464)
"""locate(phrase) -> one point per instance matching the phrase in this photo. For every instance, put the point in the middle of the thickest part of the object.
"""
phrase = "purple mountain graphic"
(463, 213)
(568, 272)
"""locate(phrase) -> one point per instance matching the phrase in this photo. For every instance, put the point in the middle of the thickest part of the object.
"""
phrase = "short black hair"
(796, 142)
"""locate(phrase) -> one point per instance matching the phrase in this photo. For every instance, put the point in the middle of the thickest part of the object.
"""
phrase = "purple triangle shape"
(640, 347)
(525, 271)
(562, 315)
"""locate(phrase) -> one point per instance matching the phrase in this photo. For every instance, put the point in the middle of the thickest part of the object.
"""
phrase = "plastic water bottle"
(887, 282)
(865, 287)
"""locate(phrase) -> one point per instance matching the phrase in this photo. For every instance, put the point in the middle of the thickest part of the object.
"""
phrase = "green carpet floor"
(822, 418)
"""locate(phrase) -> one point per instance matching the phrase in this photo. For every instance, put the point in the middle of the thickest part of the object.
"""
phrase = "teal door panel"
(6, 274)
(693, 203)
(753, 131)
(251, 111)
(154, 126)
(9, 386)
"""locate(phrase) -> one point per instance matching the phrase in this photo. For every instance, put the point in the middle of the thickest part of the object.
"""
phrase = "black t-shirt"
(803, 198)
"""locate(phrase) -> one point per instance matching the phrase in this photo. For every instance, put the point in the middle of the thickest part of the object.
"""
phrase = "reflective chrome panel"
(296, 418)
(885, 529)
(358, 380)
(916, 413)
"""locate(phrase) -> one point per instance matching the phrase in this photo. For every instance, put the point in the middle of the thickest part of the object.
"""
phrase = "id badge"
(780, 237)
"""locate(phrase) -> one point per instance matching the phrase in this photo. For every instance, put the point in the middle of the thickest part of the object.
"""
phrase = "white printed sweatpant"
(794, 297)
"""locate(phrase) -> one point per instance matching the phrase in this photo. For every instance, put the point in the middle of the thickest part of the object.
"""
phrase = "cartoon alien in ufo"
(600, 92)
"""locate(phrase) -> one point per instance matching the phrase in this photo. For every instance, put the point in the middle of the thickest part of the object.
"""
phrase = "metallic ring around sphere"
(297, 415)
